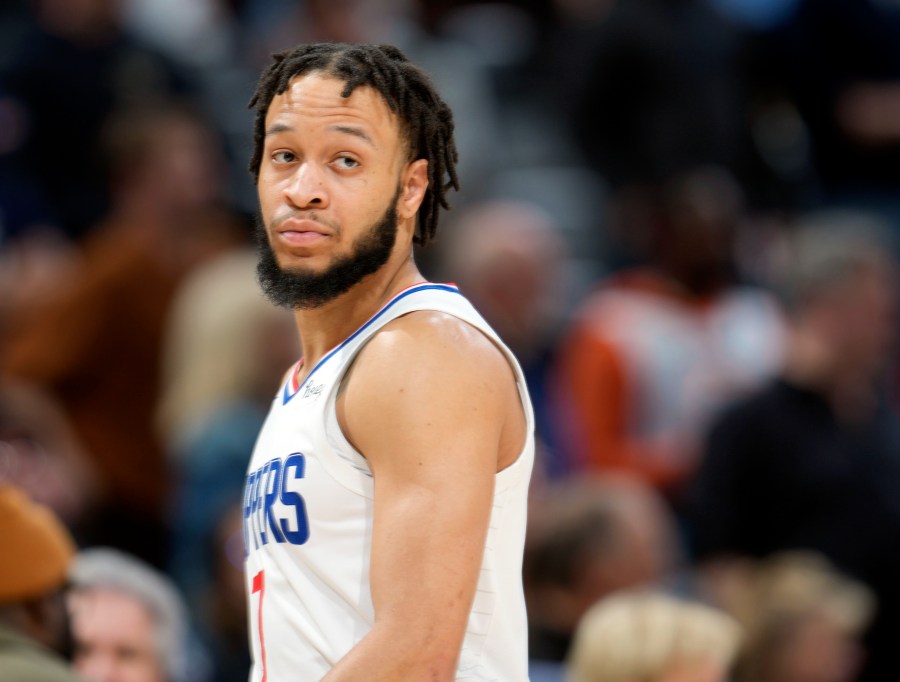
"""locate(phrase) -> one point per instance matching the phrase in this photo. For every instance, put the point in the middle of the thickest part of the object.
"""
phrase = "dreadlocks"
(425, 119)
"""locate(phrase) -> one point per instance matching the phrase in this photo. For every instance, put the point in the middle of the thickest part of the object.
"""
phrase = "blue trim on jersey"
(403, 294)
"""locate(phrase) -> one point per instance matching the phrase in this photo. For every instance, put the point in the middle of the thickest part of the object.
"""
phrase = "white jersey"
(308, 527)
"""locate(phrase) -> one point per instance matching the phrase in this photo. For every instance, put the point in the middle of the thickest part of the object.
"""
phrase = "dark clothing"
(67, 89)
(782, 472)
(548, 645)
(660, 92)
(23, 660)
(827, 47)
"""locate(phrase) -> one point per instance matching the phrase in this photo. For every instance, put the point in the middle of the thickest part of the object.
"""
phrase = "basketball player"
(384, 508)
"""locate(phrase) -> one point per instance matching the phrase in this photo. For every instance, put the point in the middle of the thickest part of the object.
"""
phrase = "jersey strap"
(292, 387)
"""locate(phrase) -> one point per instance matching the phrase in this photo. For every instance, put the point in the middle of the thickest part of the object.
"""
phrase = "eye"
(283, 156)
(346, 162)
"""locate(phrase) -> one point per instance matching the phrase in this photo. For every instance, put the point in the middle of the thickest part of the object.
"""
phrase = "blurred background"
(682, 215)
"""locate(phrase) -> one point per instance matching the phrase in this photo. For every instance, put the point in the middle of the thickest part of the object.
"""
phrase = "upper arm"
(428, 404)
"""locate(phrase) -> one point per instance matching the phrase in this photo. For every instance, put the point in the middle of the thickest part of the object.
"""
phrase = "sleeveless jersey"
(308, 526)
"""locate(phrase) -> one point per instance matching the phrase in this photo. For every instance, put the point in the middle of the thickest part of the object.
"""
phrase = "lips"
(302, 232)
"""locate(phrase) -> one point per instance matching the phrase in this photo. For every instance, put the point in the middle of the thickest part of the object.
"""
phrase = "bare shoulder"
(429, 376)
(437, 337)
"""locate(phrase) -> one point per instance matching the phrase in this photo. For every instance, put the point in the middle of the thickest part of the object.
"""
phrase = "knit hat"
(35, 547)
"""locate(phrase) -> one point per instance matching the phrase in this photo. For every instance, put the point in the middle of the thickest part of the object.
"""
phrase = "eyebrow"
(276, 128)
(356, 132)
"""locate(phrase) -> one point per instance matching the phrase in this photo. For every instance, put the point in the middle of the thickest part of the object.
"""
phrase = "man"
(657, 348)
(385, 500)
(594, 536)
(35, 552)
(75, 344)
(128, 621)
(810, 461)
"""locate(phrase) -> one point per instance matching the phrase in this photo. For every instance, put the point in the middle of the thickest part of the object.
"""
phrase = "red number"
(259, 585)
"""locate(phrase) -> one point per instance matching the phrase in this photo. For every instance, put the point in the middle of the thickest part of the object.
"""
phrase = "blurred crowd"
(682, 216)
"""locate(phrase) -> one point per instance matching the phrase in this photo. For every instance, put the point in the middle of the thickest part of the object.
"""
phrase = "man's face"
(863, 318)
(330, 178)
(114, 638)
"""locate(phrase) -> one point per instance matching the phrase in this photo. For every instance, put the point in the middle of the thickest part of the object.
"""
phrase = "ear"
(413, 184)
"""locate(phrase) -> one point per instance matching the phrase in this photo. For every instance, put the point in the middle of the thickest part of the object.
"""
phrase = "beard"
(297, 288)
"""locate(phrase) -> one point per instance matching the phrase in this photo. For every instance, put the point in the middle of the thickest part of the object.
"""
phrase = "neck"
(324, 327)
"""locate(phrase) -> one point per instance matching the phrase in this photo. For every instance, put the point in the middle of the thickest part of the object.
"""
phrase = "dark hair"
(425, 119)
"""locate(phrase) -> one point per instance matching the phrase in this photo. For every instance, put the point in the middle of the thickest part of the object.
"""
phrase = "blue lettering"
(246, 525)
(258, 535)
(263, 517)
(295, 463)
(273, 485)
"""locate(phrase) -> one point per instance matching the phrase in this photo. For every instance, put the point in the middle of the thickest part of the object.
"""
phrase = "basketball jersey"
(308, 526)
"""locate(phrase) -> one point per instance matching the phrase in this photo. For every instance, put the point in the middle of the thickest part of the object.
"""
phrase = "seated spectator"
(35, 553)
(810, 461)
(128, 621)
(658, 348)
(73, 66)
(94, 344)
(802, 620)
(653, 637)
(587, 539)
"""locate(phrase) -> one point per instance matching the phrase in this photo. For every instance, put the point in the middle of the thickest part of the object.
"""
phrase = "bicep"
(430, 428)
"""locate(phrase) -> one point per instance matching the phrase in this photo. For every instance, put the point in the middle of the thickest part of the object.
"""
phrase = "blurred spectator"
(810, 461)
(33, 264)
(224, 343)
(803, 620)
(656, 349)
(587, 538)
(40, 453)
(837, 64)
(653, 637)
(226, 349)
(650, 88)
(35, 553)
(94, 343)
(509, 259)
(219, 44)
(76, 65)
(128, 621)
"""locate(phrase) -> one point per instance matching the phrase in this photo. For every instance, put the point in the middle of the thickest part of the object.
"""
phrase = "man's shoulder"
(432, 359)
(434, 337)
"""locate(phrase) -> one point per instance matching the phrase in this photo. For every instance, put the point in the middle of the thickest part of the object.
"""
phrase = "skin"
(434, 437)
(114, 638)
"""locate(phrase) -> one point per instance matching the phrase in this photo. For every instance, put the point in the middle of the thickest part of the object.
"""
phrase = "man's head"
(589, 538)
(353, 155)
(509, 259)
(128, 621)
(839, 286)
(163, 156)
(424, 119)
(649, 635)
(35, 553)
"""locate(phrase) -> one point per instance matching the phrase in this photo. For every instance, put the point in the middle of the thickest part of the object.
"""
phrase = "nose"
(306, 188)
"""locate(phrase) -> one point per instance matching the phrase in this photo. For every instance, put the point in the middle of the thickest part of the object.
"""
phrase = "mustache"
(299, 214)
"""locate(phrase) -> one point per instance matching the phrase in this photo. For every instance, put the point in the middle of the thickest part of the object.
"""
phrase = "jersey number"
(259, 585)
